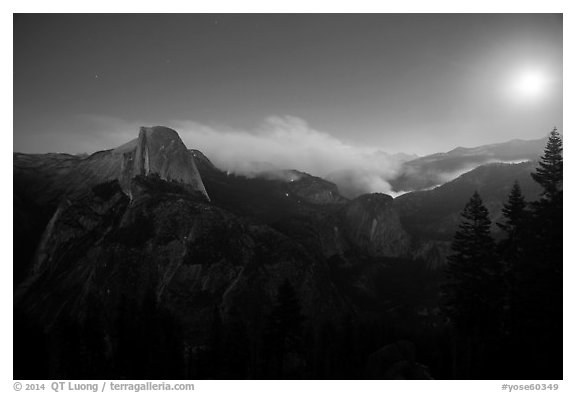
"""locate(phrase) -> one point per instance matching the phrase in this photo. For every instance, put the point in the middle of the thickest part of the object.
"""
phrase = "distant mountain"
(435, 214)
(436, 169)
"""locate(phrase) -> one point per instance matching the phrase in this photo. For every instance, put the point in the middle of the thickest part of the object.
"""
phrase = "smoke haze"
(290, 143)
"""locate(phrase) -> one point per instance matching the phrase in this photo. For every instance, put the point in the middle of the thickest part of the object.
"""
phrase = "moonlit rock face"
(157, 151)
(160, 151)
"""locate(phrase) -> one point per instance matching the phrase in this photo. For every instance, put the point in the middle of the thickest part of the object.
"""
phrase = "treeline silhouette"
(504, 299)
(146, 341)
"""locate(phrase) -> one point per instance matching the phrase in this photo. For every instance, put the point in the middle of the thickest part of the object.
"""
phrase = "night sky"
(396, 82)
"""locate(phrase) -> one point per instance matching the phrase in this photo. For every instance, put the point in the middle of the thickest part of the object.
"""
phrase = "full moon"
(530, 84)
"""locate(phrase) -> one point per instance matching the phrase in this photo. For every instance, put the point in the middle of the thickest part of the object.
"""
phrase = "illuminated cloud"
(290, 143)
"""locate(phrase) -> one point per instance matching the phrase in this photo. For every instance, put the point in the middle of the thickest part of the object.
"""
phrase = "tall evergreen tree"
(473, 296)
(473, 293)
(536, 304)
(515, 225)
(514, 212)
(549, 172)
(547, 211)
(511, 249)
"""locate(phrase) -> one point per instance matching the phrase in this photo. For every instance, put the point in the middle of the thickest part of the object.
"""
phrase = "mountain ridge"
(436, 169)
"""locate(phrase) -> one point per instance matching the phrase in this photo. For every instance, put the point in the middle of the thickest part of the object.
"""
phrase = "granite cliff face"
(189, 255)
(43, 182)
(314, 189)
(46, 178)
(160, 151)
(372, 224)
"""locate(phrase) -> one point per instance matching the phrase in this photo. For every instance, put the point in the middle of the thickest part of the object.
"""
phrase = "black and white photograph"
(288, 196)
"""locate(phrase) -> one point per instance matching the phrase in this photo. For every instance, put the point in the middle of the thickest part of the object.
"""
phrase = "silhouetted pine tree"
(514, 212)
(546, 225)
(549, 172)
(511, 251)
(473, 295)
(515, 220)
(537, 302)
(547, 211)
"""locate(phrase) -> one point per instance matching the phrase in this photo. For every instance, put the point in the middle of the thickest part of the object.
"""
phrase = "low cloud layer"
(290, 143)
(281, 143)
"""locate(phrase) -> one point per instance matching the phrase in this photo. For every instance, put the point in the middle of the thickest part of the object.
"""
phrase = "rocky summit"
(160, 151)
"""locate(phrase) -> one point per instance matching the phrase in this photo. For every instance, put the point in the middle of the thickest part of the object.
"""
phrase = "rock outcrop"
(372, 224)
(313, 189)
(43, 182)
(160, 151)
(192, 255)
